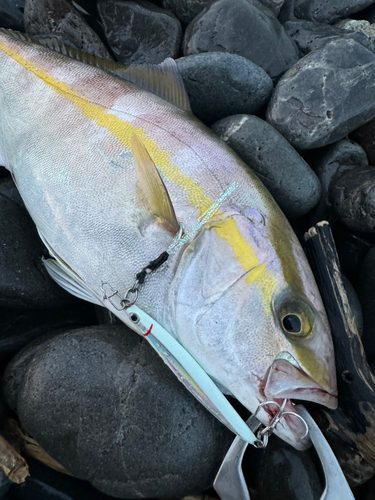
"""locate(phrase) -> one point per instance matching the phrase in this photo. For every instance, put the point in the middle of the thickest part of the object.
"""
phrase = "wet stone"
(366, 293)
(11, 14)
(323, 11)
(309, 35)
(280, 472)
(329, 163)
(220, 84)
(58, 18)
(24, 282)
(365, 136)
(353, 199)
(326, 95)
(246, 28)
(140, 32)
(141, 434)
(283, 171)
(185, 10)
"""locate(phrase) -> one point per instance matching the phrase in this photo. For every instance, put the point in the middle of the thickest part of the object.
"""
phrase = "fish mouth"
(285, 381)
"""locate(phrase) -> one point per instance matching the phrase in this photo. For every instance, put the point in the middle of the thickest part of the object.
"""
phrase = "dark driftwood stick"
(353, 423)
(11, 463)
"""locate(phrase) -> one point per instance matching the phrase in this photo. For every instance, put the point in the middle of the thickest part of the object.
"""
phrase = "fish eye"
(296, 319)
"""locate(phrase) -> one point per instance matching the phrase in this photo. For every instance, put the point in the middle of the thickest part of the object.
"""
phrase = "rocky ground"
(290, 86)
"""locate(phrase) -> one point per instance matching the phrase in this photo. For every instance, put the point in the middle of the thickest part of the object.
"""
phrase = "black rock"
(11, 14)
(5, 484)
(59, 19)
(140, 32)
(323, 11)
(366, 293)
(353, 199)
(185, 10)
(309, 35)
(351, 250)
(326, 95)
(19, 327)
(329, 164)
(103, 404)
(45, 483)
(355, 304)
(220, 84)
(287, 11)
(287, 176)
(246, 28)
(280, 472)
(24, 282)
(8, 189)
(365, 136)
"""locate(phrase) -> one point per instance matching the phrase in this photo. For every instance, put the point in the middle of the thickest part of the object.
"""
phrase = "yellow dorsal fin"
(153, 194)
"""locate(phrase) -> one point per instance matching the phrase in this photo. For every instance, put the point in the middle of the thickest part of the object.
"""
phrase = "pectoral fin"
(153, 195)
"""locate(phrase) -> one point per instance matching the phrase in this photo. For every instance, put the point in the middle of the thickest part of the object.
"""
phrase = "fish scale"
(76, 140)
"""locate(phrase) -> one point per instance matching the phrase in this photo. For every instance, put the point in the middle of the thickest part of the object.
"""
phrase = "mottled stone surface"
(185, 10)
(246, 28)
(366, 292)
(326, 95)
(104, 405)
(309, 35)
(60, 19)
(287, 176)
(353, 199)
(220, 84)
(361, 26)
(140, 32)
(24, 282)
(333, 10)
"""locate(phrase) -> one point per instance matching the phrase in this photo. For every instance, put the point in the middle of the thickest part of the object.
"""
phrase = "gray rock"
(366, 293)
(246, 28)
(11, 14)
(273, 5)
(323, 11)
(309, 35)
(353, 199)
(24, 282)
(220, 84)
(361, 26)
(326, 95)
(140, 32)
(281, 473)
(287, 11)
(365, 136)
(354, 303)
(287, 176)
(185, 10)
(103, 404)
(58, 18)
(329, 164)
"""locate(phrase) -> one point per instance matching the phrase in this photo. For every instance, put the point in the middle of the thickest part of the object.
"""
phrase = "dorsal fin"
(153, 195)
(163, 80)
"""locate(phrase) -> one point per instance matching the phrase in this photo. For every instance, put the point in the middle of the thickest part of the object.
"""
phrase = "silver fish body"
(230, 294)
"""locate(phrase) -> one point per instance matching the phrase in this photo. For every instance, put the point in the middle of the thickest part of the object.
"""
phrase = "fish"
(117, 173)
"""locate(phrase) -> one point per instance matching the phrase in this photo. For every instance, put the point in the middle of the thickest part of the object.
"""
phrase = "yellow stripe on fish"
(123, 131)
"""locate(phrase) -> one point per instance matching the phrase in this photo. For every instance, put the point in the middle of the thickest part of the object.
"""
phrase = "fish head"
(244, 303)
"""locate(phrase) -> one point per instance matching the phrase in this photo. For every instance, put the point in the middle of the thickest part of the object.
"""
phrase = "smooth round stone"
(220, 84)
(333, 10)
(246, 28)
(185, 10)
(45, 483)
(58, 18)
(365, 136)
(24, 281)
(326, 95)
(140, 32)
(366, 293)
(280, 472)
(103, 404)
(11, 14)
(309, 35)
(283, 171)
(353, 199)
(329, 163)
(354, 303)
